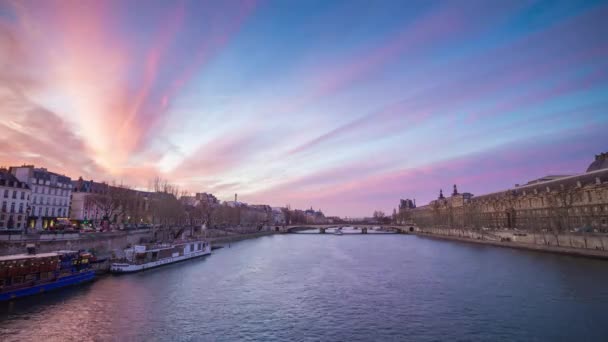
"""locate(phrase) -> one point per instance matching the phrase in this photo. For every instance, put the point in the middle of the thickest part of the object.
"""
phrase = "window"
(5, 193)
(22, 195)
(46, 211)
(4, 206)
(33, 211)
(14, 194)
(20, 208)
(12, 207)
(52, 211)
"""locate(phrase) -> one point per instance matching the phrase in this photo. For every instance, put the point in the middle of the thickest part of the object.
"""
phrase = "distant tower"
(441, 194)
(235, 198)
(455, 191)
(414, 203)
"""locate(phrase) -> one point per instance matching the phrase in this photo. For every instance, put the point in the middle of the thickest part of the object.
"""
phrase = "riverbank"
(479, 239)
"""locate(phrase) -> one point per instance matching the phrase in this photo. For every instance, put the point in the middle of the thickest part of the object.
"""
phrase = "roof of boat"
(152, 248)
(27, 256)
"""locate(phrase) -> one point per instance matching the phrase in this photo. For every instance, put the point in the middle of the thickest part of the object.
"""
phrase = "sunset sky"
(346, 106)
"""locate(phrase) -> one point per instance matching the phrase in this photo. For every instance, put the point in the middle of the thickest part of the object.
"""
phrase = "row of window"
(11, 221)
(35, 211)
(56, 201)
(12, 210)
(51, 191)
(61, 185)
(16, 194)
(12, 184)
(38, 211)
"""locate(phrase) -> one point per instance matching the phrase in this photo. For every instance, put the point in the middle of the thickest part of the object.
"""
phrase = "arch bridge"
(362, 228)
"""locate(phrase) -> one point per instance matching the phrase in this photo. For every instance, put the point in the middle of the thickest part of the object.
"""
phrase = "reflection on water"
(314, 287)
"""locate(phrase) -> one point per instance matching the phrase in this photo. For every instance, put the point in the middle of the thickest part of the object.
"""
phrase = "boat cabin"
(24, 270)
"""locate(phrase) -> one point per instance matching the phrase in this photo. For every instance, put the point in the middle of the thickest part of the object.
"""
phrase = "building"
(50, 194)
(94, 202)
(82, 209)
(15, 202)
(204, 197)
(278, 216)
(314, 217)
(555, 204)
(600, 162)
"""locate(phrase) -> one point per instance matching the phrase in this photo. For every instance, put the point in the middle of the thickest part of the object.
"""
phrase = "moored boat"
(28, 274)
(142, 257)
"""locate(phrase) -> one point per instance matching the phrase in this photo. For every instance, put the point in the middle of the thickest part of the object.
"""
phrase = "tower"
(235, 198)
(455, 192)
(441, 194)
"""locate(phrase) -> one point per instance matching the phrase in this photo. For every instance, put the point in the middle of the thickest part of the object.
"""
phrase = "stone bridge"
(364, 228)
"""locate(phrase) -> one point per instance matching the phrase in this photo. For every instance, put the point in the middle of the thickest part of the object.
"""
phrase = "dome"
(600, 162)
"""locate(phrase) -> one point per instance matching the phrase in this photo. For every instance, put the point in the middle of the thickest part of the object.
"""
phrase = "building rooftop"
(7, 178)
(569, 181)
(600, 162)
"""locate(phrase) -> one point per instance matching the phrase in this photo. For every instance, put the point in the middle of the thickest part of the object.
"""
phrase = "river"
(307, 287)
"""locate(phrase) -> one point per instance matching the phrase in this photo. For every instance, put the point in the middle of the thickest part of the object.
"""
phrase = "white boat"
(338, 232)
(141, 257)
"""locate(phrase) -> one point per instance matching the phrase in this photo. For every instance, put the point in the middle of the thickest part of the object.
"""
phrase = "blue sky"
(345, 106)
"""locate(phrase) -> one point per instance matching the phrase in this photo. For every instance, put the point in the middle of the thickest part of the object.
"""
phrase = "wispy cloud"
(320, 104)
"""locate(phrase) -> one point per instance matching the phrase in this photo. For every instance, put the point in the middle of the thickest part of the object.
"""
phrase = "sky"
(343, 106)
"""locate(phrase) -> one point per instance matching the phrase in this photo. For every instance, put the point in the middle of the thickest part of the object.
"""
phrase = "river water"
(305, 287)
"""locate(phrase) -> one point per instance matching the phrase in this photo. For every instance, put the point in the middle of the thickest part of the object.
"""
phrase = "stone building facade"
(15, 197)
(51, 193)
(577, 203)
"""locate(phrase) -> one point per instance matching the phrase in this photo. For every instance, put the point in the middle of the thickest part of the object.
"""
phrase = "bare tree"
(379, 215)
(113, 203)
(287, 213)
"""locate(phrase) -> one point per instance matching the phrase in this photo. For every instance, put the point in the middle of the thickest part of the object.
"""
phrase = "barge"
(142, 257)
(28, 274)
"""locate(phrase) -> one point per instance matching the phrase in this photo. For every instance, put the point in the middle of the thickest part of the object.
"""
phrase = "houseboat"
(142, 257)
(28, 274)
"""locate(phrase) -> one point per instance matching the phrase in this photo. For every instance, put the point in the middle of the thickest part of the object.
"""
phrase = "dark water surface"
(332, 288)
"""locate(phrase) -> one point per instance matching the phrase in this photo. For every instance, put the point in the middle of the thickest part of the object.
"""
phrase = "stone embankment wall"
(112, 243)
(586, 244)
(103, 244)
